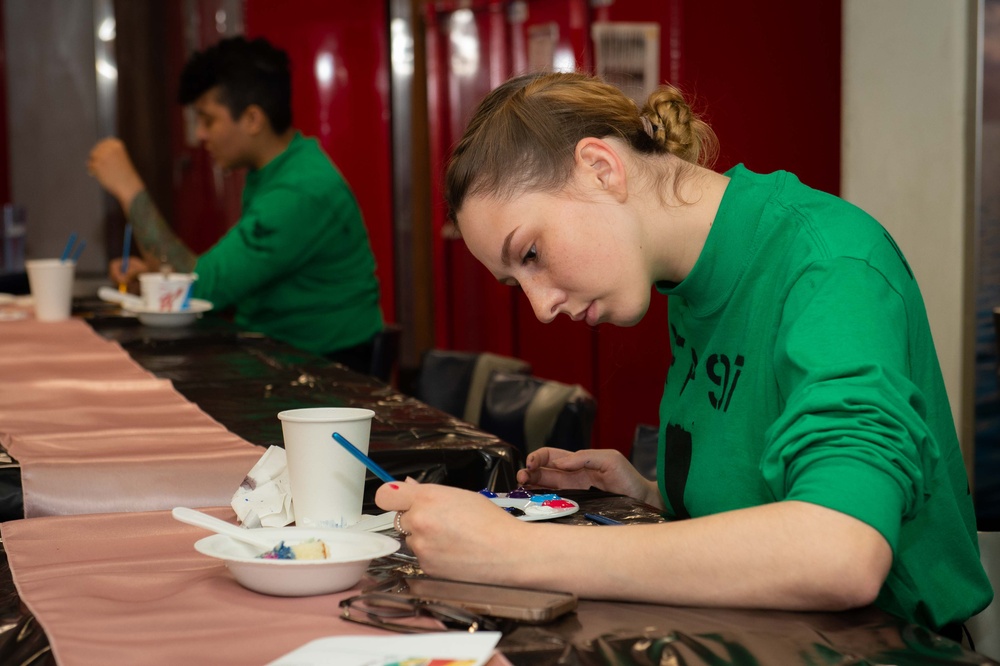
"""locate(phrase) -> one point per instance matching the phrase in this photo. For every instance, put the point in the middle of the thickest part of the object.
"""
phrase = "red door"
(468, 55)
(206, 198)
(339, 53)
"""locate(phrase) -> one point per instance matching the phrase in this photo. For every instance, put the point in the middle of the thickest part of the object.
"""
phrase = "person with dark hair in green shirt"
(297, 266)
(808, 458)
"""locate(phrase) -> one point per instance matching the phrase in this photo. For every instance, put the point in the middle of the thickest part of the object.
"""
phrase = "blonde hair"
(523, 135)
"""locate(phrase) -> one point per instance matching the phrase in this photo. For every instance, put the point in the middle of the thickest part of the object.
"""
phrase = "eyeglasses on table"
(384, 610)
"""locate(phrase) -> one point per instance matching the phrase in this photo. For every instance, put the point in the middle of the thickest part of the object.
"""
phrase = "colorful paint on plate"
(525, 505)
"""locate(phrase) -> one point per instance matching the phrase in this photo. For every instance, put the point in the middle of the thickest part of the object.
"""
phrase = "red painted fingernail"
(394, 486)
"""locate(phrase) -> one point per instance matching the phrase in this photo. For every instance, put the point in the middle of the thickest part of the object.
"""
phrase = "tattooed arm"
(110, 164)
(157, 241)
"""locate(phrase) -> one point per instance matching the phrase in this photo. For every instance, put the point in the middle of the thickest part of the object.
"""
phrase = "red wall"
(4, 149)
(768, 78)
(348, 112)
(472, 310)
(206, 199)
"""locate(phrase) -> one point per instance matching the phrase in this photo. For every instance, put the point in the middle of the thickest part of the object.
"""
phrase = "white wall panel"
(52, 118)
(907, 154)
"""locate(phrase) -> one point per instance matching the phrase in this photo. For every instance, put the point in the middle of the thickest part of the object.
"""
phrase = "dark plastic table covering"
(244, 380)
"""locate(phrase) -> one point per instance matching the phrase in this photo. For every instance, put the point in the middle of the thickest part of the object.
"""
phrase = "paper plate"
(534, 510)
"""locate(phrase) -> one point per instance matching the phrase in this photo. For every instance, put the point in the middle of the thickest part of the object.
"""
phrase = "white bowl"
(350, 553)
(196, 307)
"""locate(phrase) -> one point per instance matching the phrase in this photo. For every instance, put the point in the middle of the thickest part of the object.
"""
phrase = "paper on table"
(439, 649)
(264, 498)
(376, 523)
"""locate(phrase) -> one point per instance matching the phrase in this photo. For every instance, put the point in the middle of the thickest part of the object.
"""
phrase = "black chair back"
(644, 446)
(454, 381)
(385, 353)
(530, 412)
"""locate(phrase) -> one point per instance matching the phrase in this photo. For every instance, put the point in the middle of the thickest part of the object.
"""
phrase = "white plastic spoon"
(129, 301)
(219, 526)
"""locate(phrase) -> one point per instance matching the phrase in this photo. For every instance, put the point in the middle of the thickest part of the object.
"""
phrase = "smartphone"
(522, 604)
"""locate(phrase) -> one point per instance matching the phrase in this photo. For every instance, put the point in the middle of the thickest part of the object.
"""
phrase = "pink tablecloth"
(129, 588)
(94, 432)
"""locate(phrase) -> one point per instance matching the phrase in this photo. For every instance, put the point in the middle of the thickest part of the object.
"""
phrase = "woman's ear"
(598, 165)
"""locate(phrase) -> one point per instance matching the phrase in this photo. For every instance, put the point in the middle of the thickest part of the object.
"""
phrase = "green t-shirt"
(297, 266)
(804, 369)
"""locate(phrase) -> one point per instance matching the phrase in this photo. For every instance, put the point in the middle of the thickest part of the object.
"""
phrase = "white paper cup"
(326, 481)
(165, 292)
(51, 284)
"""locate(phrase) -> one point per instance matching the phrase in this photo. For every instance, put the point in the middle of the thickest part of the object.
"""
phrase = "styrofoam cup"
(327, 482)
(51, 284)
(166, 292)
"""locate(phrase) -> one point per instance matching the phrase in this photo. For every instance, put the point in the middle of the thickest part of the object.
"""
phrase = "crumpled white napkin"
(264, 499)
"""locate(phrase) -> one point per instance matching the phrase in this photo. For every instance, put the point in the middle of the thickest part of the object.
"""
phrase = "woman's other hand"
(606, 469)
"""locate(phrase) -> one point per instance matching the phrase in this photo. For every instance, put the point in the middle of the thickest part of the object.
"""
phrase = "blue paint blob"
(279, 552)
(487, 493)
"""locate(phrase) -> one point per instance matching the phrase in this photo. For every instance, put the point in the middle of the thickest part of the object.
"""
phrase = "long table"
(118, 581)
